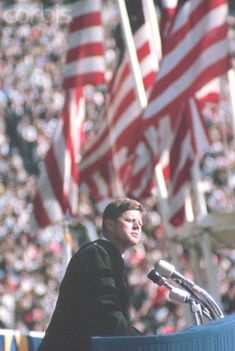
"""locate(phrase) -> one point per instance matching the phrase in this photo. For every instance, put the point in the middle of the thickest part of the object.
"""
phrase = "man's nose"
(136, 224)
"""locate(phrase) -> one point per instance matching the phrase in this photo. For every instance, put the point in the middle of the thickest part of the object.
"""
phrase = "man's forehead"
(132, 213)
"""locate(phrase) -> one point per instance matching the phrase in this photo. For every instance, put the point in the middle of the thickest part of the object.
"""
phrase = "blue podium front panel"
(218, 335)
(13, 340)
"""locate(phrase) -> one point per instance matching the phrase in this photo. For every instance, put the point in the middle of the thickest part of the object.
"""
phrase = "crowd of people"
(31, 61)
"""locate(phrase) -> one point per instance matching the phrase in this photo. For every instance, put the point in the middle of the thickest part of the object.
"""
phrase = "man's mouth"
(135, 234)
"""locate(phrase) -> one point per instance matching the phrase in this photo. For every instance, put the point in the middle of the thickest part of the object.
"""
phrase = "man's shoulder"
(100, 247)
(97, 247)
(94, 254)
(99, 244)
(92, 245)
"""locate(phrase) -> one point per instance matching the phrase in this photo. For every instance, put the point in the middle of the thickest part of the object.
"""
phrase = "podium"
(218, 335)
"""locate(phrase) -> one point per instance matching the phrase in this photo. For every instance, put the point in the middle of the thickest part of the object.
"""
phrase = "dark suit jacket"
(93, 300)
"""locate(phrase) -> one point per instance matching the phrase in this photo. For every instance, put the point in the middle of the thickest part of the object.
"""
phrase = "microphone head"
(179, 295)
(164, 268)
(156, 278)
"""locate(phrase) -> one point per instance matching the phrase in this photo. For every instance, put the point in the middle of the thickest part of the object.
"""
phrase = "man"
(93, 296)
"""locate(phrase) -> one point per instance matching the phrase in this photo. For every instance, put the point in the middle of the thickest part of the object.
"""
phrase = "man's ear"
(108, 224)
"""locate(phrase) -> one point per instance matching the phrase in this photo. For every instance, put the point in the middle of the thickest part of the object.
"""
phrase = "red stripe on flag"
(178, 218)
(56, 180)
(85, 21)
(40, 214)
(89, 78)
(183, 175)
(84, 51)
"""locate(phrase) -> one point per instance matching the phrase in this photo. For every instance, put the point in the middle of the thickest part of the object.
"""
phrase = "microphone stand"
(196, 311)
(204, 298)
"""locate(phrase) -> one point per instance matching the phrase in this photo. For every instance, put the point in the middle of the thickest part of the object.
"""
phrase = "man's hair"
(116, 208)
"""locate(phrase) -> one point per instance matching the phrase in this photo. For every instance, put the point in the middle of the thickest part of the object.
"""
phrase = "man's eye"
(134, 221)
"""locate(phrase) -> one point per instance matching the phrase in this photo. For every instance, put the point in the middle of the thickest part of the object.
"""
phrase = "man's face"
(126, 230)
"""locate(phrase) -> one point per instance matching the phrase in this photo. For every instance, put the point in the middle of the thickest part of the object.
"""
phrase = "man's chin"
(135, 241)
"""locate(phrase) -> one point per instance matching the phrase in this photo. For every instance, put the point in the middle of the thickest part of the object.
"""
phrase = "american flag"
(196, 51)
(58, 182)
(85, 55)
(116, 161)
(57, 185)
(190, 141)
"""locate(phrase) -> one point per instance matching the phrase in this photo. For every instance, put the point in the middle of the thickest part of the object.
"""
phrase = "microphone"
(158, 279)
(168, 270)
(180, 295)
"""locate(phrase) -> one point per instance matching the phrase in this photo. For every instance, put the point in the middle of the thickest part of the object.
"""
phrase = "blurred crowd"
(31, 265)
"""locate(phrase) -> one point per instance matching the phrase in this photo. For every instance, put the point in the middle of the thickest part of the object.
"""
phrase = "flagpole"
(68, 242)
(134, 63)
(231, 80)
(189, 213)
